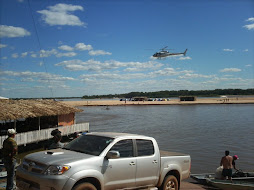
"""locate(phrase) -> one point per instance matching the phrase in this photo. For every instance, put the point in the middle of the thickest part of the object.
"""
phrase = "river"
(203, 131)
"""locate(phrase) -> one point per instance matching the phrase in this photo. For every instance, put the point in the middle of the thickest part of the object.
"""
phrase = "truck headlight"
(56, 170)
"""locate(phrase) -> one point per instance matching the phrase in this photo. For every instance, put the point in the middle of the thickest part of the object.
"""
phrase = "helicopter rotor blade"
(164, 48)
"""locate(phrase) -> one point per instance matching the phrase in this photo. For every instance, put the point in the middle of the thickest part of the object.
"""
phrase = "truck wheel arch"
(173, 173)
(170, 182)
(95, 182)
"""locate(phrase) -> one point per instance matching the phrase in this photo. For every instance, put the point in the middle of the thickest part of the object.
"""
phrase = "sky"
(72, 48)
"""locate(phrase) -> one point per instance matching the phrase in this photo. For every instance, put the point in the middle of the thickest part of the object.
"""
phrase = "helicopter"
(165, 53)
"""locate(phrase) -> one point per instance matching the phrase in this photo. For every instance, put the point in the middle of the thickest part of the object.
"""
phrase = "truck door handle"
(132, 164)
(155, 162)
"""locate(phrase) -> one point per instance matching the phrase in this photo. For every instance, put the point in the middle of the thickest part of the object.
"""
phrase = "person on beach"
(226, 162)
(10, 151)
(235, 157)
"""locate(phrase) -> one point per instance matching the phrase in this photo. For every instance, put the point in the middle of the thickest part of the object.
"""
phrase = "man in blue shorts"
(226, 162)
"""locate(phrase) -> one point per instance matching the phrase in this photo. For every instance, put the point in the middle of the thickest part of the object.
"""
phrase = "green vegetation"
(173, 93)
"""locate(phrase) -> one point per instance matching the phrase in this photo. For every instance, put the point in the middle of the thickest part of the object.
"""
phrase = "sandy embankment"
(239, 100)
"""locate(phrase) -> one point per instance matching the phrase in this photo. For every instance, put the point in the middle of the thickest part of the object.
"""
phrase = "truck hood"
(57, 157)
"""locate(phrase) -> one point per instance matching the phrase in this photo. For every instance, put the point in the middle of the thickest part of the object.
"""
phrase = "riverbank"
(238, 100)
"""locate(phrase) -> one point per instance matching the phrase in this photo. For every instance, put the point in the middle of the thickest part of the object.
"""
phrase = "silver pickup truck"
(104, 161)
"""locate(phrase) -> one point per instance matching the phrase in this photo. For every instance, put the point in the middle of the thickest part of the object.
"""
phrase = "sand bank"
(239, 100)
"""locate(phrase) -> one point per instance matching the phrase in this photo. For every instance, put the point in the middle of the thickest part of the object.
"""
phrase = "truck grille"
(33, 166)
(32, 185)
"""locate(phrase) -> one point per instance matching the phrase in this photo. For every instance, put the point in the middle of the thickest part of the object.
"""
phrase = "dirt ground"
(188, 184)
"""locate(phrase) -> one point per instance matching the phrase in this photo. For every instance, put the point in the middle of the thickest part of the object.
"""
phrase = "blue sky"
(53, 48)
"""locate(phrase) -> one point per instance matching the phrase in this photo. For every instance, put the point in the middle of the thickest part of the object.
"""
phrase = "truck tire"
(170, 183)
(85, 186)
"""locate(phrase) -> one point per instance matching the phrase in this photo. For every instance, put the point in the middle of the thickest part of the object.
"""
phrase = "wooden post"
(15, 125)
(39, 132)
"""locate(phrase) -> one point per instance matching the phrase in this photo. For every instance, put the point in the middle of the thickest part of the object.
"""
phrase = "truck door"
(148, 163)
(120, 172)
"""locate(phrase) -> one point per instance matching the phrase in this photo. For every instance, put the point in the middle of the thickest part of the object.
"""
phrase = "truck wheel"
(85, 186)
(170, 183)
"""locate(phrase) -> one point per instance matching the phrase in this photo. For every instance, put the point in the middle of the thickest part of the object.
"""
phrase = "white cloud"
(65, 48)
(92, 65)
(193, 75)
(15, 55)
(185, 58)
(24, 54)
(3, 45)
(40, 76)
(98, 52)
(230, 50)
(13, 32)
(47, 53)
(246, 50)
(65, 8)
(250, 19)
(69, 54)
(27, 80)
(59, 14)
(33, 55)
(230, 70)
(250, 26)
(229, 79)
(165, 72)
(249, 65)
(111, 76)
(83, 47)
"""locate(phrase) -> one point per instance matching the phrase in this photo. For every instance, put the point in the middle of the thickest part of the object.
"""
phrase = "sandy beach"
(233, 100)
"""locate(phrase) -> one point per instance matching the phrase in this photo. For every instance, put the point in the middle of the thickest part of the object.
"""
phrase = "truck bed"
(167, 153)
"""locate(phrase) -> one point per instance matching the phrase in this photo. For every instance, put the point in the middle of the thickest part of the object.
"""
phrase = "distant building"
(188, 98)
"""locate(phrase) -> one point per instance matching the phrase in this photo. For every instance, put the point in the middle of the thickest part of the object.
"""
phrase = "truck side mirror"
(112, 154)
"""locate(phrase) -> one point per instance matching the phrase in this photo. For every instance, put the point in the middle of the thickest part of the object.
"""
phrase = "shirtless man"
(226, 162)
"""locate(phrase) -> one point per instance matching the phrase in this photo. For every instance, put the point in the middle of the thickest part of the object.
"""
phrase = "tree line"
(175, 93)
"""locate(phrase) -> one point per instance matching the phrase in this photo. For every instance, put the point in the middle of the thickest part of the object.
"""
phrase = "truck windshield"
(89, 144)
